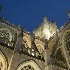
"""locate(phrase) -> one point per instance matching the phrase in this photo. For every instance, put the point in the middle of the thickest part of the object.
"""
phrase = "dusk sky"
(30, 13)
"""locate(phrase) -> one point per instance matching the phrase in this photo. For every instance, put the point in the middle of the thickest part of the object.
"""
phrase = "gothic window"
(39, 47)
(1, 65)
(26, 42)
(59, 56)
(5, 34)
(3, 62)
(28, 67)
(6, 37)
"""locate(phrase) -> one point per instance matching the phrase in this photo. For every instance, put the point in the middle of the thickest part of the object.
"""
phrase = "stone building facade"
(47, 48)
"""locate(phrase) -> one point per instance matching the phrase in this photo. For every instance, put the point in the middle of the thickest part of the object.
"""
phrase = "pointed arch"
(26, 41)
(28, 65)
(65, 34)
(65, 38)
(3, 62)
(6, 32)
(57, 50)
(40, 48)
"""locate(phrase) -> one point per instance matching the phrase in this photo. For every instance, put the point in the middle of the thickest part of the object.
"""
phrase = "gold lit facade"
(47, 48)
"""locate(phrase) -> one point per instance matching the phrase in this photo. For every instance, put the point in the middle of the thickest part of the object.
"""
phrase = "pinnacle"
(45, 19)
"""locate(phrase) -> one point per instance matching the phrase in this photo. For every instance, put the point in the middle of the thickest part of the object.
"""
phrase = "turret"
(46, 29)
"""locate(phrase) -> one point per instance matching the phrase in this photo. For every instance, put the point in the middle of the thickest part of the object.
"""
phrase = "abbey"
(47, 48)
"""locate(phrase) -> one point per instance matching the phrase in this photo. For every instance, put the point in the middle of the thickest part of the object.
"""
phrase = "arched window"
(66, 45)
(39, 47)
(28, 65)
(59, 56)
(3, 62)
(6, 37)
(5, 33)
(26, 42)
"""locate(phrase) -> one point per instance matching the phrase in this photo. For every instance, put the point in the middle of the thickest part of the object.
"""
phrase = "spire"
(45, 20)
(68, 12)
(18, 26)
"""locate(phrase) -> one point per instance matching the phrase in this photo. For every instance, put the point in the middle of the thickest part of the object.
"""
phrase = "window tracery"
(39, 47)
(28, 67)
(4, 34)
(26, 42)
(67, 40)
(3, 62)
(59, 56)
(6, 37)
(1, 65)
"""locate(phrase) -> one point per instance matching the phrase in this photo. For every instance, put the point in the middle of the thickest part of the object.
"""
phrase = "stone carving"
(6, 37)
(4, 34)
(3, 62)
(28, 67)
(26, 42)
(1, 65)
(40, 48)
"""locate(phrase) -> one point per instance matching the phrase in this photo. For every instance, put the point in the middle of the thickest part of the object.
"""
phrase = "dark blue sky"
(29, 13)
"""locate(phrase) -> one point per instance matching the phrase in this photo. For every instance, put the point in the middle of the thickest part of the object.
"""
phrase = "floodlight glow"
(46, 33)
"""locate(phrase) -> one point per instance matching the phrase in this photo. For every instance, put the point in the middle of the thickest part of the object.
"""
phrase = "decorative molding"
(3, 62)
(30, 63)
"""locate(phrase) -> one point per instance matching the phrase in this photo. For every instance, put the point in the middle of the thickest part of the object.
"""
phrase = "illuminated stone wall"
(46, 29)
(46, 49)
